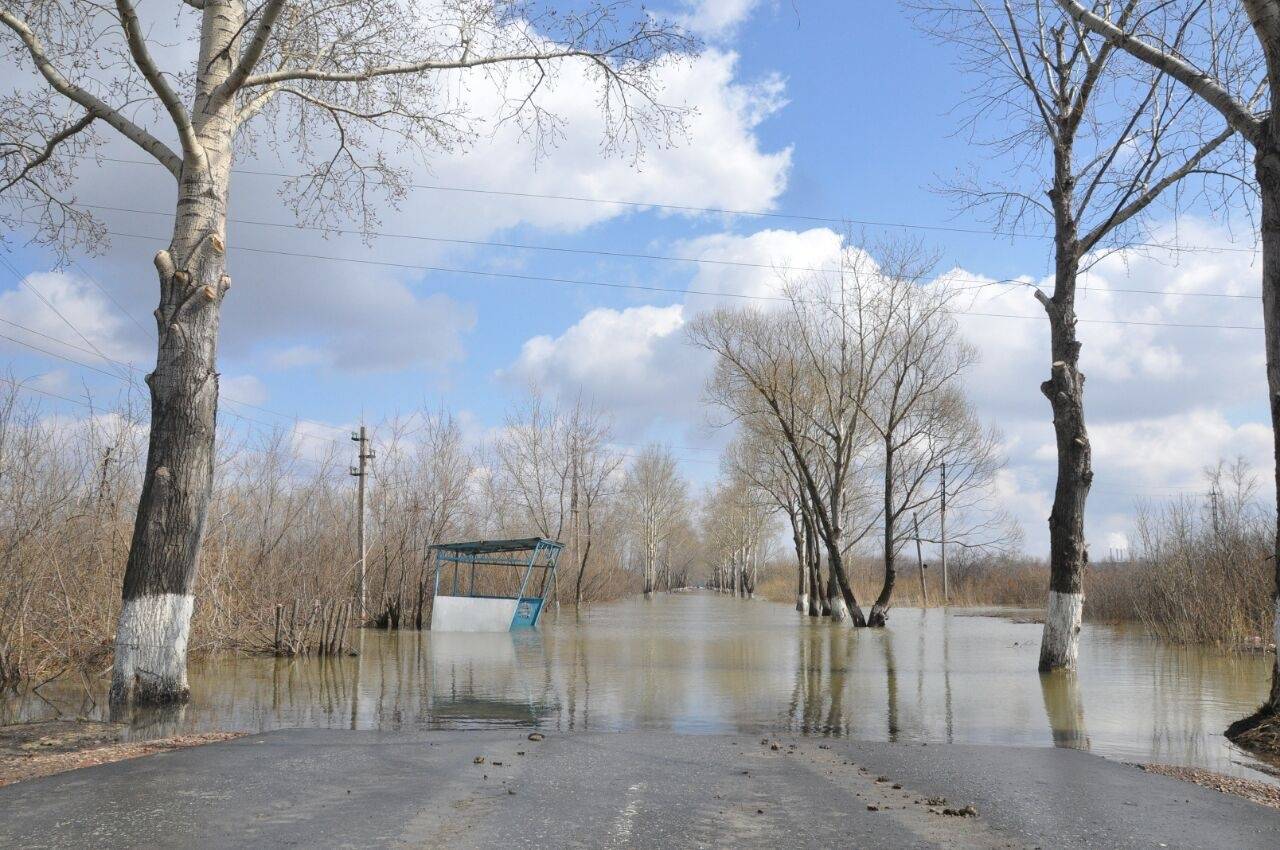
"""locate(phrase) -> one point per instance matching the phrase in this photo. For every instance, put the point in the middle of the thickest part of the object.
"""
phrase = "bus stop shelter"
(492, 585)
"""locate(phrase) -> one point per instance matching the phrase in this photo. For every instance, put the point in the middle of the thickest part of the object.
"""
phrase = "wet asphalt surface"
(328, 788)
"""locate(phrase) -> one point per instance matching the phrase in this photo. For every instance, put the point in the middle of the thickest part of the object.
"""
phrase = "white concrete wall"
(467, 614)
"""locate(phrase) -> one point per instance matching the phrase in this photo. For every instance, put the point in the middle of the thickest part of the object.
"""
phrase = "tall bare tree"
(807, 371)
(1088, 168)
(737, 527)
(919, 364)
(1227, 55)
(330, 79)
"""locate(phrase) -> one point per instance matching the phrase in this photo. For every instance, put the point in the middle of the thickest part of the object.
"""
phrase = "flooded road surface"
(702, 663)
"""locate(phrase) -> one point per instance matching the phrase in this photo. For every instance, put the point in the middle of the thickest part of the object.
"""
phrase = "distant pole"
(361, 472)
(576, 563)
(946, 590)
(924, 590)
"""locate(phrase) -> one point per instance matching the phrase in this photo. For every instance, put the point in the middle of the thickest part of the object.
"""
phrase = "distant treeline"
(282, 523)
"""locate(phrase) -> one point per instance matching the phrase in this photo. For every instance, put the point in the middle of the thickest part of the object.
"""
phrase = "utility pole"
(576, 564)
(1213, 500)
(924, 590)
(361, 472)
(946, 591)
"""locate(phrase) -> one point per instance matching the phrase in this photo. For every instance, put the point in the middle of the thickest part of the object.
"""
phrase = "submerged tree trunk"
(1263, 726)
(880, 610)
(582, 571)
(844, 605)
(151, 636)
(155, 618)
(802, 566)
(1068, 554)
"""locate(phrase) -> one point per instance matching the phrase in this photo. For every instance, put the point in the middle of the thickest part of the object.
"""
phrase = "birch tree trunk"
(155, 618)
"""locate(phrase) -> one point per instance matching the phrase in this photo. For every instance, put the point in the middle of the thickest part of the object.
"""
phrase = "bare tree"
(737, 523)
(593, 468)
(758, 458)
(919, 363)
(534, 468)
(1227, 55)
(1088, 168)
(655, 502)
(332, 80)
(806, 371)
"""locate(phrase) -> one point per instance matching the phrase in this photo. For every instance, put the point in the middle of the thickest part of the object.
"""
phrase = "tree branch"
(319, 75)
(1238, 116)
(249, 57)
(168, 97)
(53, 142)
(1138, 204)
(90, 102)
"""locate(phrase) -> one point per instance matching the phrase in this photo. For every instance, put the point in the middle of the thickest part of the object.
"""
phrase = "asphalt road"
(322, 788)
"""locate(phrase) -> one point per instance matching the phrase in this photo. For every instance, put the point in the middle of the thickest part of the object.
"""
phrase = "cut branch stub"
(164, 264)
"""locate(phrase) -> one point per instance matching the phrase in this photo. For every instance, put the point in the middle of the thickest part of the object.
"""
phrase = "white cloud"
(715, 18)
(362, 319)
(634, 362)
(772, 257)
(61, 306)
(1173, 451)
(1162, 402)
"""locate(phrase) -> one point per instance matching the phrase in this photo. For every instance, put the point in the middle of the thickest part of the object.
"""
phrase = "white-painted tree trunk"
(151, 648)
(164, 555)
(839, 610)
(1060, 646)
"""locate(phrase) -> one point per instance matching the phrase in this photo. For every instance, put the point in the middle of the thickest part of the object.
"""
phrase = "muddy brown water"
(704, 663)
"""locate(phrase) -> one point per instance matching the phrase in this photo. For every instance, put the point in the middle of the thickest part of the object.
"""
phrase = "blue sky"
(819, 109)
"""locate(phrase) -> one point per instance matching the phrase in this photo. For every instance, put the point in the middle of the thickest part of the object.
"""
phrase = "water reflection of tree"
(1065, 709)
(805, 707)
(891, 682)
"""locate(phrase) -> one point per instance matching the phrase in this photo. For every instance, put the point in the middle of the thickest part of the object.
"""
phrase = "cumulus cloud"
(633, 362)
(1163, 401)
(65, 306)
(299, 310)
(715, 18)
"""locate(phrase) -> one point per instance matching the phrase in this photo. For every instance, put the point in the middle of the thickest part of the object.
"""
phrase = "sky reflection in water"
(701, 663)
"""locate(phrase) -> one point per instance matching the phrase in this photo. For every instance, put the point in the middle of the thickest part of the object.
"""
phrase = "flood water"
(704, 663)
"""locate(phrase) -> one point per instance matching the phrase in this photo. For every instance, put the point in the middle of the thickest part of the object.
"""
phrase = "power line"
(525, 246)
(23, 281)
(824, 219)
(648, 288)
(231, 413)
(133, 368)
(128, 366)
